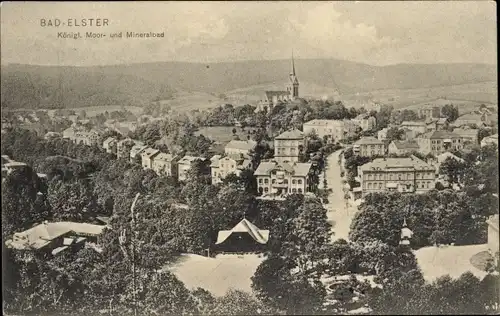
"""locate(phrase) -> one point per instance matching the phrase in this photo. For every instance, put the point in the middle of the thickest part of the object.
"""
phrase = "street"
(339, 210)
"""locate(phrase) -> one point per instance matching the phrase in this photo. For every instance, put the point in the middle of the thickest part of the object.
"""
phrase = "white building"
(365, 121)
(184, 165)
(147, 156)
(237, 147)
(281, 178)
(336, 130)
(221, 167)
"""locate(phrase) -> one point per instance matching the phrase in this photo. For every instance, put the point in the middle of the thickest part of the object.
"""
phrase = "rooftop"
(244, 226)
(190, 159)
(413, 123)
(324, 122)
(296, 169)
(439, 135)
(405, 144)
(397, 163)
(109, 140)
(368, 141)
(293, 134)
(41, 235)
(164, 157)
(149, 152)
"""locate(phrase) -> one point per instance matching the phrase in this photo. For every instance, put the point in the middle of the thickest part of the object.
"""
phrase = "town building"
(147, 156)
(243, 238)
(438, 161)
(396, 174)
(185, 164)
(165, 164)
(403, 147)
(493, 237)
(123, 148)
(334, 130)
(439, 142)
(136, 151)
(410, 134)
(488, 140)
(9, 165)
(429, 112)
(109, 145)
(382, 134)
(281, 178)
(222, 166)
(470, 135)
(369, 147)
(240, 147)
(477, 118)
(365, 121)
(69, 133)
(52, 238)
(417, 126)
(89, 138)
(288, 146)
(52, 135)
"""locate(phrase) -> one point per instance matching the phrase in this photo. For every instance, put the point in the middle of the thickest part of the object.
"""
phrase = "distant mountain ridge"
(31, 86)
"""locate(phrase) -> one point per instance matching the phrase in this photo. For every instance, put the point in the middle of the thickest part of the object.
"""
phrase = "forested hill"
(27, 86)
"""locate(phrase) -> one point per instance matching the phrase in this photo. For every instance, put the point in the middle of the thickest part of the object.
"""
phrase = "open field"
(453, 260)
(223, 134)
(219, 274)
(184, 101)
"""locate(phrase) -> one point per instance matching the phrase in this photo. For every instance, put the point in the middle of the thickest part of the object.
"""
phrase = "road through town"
(339, 210)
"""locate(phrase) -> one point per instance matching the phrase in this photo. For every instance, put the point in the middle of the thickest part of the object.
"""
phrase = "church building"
(291, 93)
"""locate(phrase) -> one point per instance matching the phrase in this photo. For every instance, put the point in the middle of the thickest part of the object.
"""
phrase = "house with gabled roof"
(185, 164)
(109, 145)
(236, 147)
(147, 156)
(222, 166)
(136, 151)
(165, 164)
(282, 178)
(403, 147)
(242, 238)
(289, 145)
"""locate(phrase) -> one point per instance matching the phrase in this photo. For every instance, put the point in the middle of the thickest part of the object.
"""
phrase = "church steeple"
(294, 82)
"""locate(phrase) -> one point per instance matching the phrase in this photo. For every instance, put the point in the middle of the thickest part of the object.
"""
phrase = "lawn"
(223, 134)
(218, 274)
(452, 260)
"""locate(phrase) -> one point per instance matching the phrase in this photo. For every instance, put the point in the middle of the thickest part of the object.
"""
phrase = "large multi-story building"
(365, 121)
(123, 148)
(417, 126)
(429, 112)
(369, 147)
(136, 151)
(165, 164)
(335, 130)
(281, 178)
(288, 146)
(240, 147)
(477, 118)
(184, 165)
(147, 156)
(396, 174)
(438, 142)
(221, 166)
(469, 135)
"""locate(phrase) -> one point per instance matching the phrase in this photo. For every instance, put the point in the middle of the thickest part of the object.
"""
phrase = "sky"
(376, 33)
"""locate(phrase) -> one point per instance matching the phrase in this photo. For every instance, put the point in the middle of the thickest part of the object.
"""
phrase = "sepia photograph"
(249, 158)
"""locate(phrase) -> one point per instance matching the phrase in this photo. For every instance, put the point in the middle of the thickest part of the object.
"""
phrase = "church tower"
(294, 82)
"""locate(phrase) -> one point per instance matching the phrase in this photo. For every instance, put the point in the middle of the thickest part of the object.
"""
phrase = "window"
(294, 181)
(260, 181)
(380, 185)
(286, 181)
(369, 185)
(266, 181)
(266, 189)
(400, 177)
(294, 190)
(299, 181)
(274, 181)
(300, 191)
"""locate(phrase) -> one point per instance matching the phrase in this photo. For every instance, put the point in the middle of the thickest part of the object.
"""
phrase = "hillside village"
(339, 206)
